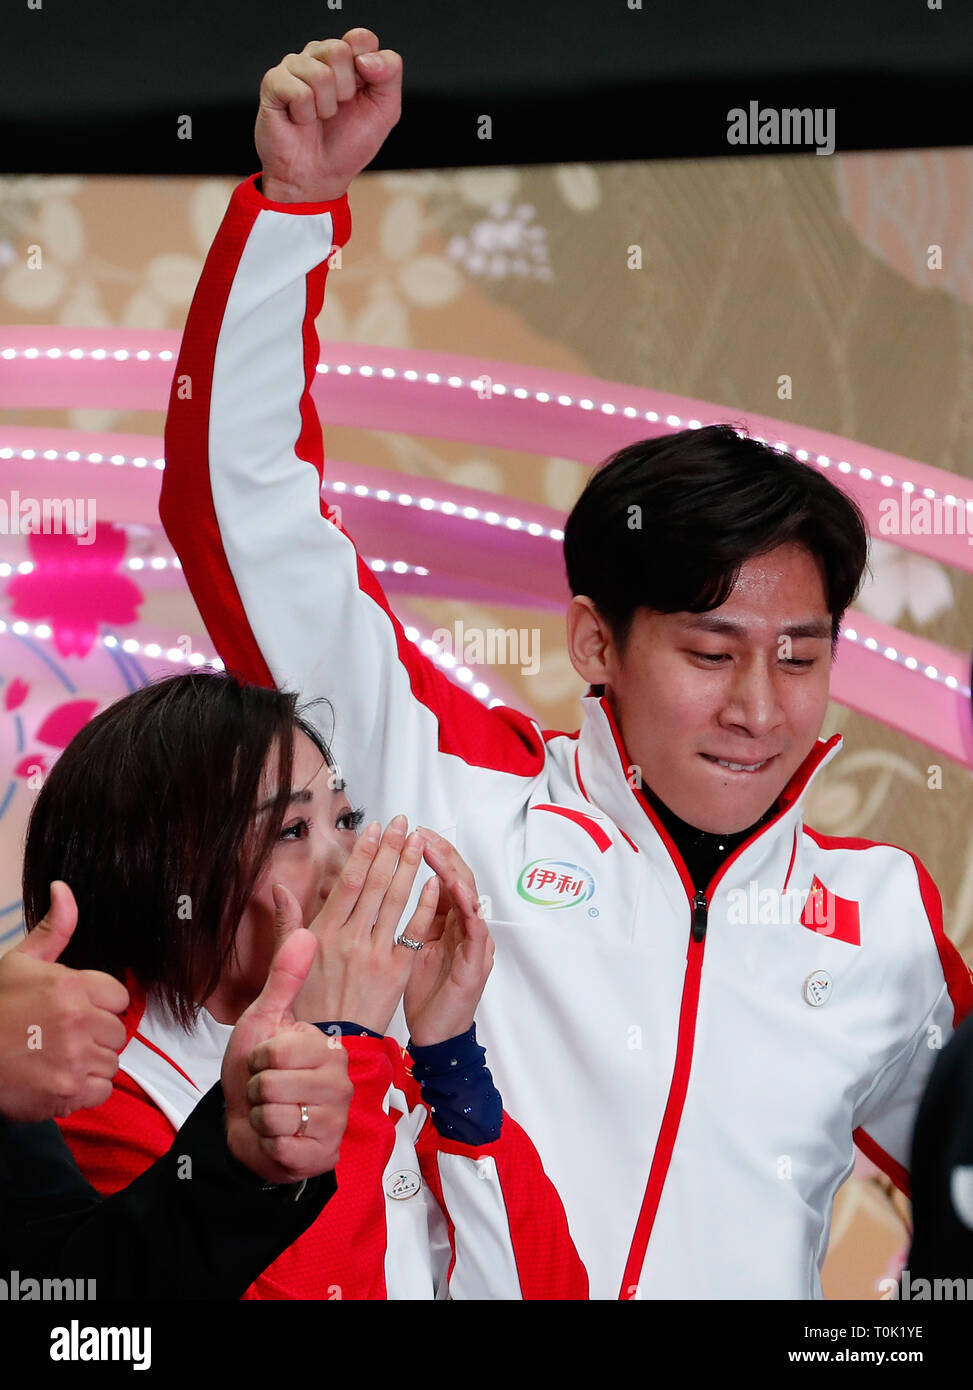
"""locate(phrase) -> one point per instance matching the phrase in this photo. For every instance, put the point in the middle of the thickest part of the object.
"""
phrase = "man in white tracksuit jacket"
(698, 1002)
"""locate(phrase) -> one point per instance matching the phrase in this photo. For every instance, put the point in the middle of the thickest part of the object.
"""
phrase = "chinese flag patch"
(829, 915)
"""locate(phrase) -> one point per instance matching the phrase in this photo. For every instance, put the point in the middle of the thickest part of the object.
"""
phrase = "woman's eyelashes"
(297, 831)
(347, 820)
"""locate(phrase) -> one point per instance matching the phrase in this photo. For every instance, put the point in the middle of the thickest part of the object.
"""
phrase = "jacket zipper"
(699, 902)
(700, 915)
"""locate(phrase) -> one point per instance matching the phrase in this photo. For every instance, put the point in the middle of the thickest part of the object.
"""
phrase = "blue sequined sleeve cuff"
(458, 1088)
(353, 1030)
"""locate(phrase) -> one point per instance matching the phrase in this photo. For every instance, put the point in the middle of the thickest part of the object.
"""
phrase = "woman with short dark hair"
(196, 820)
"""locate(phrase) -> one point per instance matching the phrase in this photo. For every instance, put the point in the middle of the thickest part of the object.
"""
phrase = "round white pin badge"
(817, 987)
(404, 1183)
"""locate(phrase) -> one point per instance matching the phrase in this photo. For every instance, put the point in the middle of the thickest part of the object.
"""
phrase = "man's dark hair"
(667, 524)
(148, 816)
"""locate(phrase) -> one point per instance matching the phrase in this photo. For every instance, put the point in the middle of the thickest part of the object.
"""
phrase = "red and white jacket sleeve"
(280, 587)
(935, 995)
(508, 1231)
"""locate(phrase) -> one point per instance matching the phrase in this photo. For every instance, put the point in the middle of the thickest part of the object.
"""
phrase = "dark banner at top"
(99, 87)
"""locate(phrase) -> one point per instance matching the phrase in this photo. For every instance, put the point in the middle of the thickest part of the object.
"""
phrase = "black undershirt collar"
(702, 850)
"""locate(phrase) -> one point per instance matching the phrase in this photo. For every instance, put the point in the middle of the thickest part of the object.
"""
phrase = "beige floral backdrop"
(752, 268)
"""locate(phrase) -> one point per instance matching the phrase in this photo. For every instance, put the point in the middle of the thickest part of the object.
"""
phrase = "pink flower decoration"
(30, 764)
(900, 203)
(74, 587)
(63, 722)
(58, 729)
(15, 693)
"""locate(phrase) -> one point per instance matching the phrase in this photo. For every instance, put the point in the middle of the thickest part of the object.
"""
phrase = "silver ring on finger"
(412, 945)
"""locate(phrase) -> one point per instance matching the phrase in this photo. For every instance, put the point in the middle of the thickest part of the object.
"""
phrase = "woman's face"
(316, 838)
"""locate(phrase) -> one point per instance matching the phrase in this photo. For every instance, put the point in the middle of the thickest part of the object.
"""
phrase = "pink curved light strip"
(486, 402)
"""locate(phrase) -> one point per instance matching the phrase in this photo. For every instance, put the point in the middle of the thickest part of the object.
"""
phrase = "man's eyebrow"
(709, 622)
(302, 796)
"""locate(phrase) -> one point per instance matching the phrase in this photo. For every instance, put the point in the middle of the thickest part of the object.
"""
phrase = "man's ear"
(589, 641)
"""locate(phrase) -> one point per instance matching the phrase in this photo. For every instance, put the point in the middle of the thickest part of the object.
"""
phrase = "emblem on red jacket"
(402, 1184)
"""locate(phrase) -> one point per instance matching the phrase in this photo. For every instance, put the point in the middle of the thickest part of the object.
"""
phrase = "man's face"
(691, 689)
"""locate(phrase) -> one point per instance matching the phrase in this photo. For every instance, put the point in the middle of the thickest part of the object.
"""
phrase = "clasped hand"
(361, 970)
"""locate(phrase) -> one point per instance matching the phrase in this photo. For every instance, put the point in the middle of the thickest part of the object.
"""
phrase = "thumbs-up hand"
(59, 1032)
(286, 1089)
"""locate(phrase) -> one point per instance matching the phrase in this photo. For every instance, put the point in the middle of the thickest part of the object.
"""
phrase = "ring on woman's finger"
(305, 1120)
(412, 945)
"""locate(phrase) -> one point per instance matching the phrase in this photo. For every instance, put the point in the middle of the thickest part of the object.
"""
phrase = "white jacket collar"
(603, 769)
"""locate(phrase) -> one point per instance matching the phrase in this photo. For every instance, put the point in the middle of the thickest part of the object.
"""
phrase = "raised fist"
(324, 115)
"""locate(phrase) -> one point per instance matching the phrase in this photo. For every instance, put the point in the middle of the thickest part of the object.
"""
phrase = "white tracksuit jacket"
(695, 1111)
